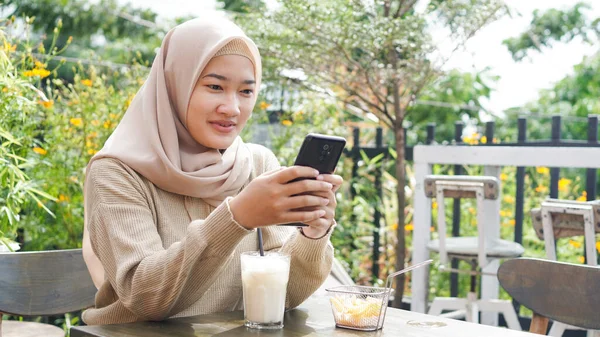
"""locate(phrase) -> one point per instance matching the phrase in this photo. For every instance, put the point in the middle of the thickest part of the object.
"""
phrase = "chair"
(558, 218)
(42, 284)
(478, 251)
(559, 291)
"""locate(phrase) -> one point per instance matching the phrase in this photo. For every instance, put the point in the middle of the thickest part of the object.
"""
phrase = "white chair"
(478, 251)
(566, 218)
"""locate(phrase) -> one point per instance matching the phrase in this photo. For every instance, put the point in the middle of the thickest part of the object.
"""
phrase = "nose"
(230, 106)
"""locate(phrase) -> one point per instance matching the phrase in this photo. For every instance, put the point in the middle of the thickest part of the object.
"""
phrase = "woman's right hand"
(272, 198)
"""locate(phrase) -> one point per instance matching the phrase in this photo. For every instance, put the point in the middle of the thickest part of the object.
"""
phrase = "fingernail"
(320, 177)
(316, 172)
(325, 201)
(321, 213)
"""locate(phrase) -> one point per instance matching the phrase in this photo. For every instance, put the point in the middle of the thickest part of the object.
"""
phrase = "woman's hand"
(272, 198)
(319, 227)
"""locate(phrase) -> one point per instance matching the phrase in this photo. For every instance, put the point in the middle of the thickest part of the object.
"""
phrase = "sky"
(520, 82)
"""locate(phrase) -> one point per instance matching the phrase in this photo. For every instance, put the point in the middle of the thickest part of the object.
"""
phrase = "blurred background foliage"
(68, 70)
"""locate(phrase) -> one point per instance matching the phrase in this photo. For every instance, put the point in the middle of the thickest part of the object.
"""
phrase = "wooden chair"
(479, 251)
(558, 218)
(563, 292)
(42, 284)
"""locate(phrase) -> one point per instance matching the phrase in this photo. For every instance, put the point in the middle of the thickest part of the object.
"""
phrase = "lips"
(223, 126)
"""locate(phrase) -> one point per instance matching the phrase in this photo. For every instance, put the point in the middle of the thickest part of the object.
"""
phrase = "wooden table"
(313, 318)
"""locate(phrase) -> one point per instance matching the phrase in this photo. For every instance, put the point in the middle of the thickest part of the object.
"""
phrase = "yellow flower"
(286, 122)
(541, 189)
(263, 105)
(432, 229)
(63, 198)
(46, 104)
(512, 222)
(583, 196)
(73, 179)
(107, 124)
(37, 72)
(434, 205)
(483, 140)
(581, 259)
(5, 89)
(575, 244)
(40, 65)
(112, 116)
(394, 226)
(92, 152)
(8, 47)
(93, 134)
(563, 184)
(472, 210)
(76, 121)
(598, 246)
(39, 150)
(95, 122)
(87, 82)
(543, 170)
(503, 176)
(509, 199)
(409, 227)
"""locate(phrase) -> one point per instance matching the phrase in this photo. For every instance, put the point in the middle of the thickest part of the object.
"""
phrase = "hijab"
(152, 137)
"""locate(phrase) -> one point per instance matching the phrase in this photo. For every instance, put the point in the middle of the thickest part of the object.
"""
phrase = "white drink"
(264, 280)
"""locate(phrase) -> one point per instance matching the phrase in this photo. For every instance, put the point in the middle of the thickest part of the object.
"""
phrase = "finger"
(290, 173)
(319, 224)
(333, 179)
(307, 186)
(302, 217)
(300, 201)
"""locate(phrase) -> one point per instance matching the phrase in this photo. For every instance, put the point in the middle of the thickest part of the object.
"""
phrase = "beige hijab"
(152, 138)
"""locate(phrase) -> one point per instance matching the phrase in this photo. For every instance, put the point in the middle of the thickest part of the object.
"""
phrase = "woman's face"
(222, 101)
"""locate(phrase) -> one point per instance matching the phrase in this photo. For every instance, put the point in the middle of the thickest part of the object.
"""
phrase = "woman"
(175, 195)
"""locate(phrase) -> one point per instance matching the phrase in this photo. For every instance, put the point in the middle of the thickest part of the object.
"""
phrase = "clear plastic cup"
(264, 281)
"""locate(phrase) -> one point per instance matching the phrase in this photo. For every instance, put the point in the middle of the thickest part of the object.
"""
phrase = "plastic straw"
(260, 242)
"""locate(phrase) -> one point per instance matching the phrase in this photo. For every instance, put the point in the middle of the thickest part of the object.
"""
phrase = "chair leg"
(505, 308)
(440, 304)
(557, 329)
(539, 324)
(472, 308)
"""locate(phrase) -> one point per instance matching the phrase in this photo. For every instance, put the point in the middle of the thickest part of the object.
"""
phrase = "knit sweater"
(168, 255)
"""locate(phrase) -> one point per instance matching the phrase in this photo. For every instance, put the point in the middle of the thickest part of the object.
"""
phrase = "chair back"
(44, 283)
(564, 292)
(566, 218)
(460, 186)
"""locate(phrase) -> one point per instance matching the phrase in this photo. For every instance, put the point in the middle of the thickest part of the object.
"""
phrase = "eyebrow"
(223, 78)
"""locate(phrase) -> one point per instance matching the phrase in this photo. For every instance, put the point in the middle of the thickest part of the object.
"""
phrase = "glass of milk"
(264, 280)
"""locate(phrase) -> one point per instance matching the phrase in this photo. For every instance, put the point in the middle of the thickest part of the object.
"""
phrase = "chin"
(221, 144)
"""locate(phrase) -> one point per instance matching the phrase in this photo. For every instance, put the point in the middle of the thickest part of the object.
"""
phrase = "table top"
(313, 318)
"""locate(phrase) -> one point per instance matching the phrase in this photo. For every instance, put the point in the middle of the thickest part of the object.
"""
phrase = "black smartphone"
(320, 152)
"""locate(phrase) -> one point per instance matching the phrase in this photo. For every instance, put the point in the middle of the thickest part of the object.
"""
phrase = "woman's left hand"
(318, 228)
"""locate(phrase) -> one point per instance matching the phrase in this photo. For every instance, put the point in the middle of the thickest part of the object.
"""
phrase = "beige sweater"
(167, 255)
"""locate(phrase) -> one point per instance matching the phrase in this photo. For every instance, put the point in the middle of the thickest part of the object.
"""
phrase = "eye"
(247, 92)
(214, 87)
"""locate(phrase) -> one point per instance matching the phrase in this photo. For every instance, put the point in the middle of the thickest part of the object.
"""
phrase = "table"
(313, 318)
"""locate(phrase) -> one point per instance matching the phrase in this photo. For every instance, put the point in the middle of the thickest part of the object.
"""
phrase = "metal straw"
(260, 242)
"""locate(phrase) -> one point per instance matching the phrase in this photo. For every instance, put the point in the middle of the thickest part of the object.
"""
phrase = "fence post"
(355, 155)
(458, 130)
(377, 215)
(519, 198)
(591, 176)
(555, 171)
(430, 134)
(489, 132)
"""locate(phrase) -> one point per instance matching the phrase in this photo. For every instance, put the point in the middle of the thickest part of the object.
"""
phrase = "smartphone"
(320, 152)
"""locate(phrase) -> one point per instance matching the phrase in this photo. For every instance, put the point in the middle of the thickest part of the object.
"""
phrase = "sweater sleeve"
(152, 281)
(311, 259)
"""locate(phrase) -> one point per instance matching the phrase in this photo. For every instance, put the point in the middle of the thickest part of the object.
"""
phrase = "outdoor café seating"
(42, 283)
(563, 292)
(557, 218)
(478, 251)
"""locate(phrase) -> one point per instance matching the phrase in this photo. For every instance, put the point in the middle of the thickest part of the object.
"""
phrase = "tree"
(376, 57)
(242, 6)
(553, 25)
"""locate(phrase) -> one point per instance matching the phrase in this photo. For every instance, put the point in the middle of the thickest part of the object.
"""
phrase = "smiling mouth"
(224, 124)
